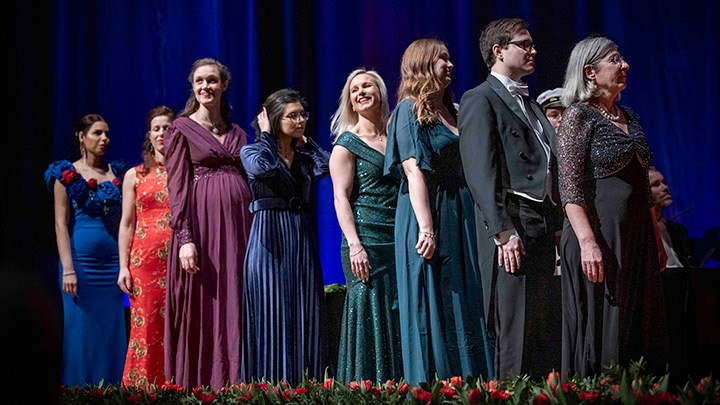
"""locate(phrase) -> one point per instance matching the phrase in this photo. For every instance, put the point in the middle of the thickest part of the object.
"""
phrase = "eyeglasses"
(526, 45)
(617, 59)
(298, 116)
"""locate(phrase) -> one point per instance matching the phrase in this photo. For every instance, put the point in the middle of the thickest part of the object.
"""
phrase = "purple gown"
(209, 199)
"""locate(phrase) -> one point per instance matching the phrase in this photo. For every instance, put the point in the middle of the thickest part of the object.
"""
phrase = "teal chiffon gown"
(442, 324)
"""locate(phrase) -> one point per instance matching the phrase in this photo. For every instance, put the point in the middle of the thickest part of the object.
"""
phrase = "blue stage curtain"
(119, 58)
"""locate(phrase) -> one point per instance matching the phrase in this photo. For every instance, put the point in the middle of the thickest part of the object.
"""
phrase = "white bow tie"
(519, 89)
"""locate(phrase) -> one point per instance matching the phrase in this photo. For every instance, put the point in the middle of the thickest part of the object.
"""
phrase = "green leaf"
(626, 395)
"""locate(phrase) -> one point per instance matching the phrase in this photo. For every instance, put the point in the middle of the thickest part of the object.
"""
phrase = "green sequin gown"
(370, 333)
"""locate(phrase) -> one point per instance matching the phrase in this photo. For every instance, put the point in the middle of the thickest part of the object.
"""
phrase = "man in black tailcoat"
(507, 147)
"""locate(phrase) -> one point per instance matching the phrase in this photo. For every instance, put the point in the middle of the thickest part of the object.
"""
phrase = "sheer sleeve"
(573, 145)
(261, 159)
(403, 141)
(179, 182)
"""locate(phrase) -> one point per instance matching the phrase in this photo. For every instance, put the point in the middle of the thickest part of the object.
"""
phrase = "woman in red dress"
(143, 242)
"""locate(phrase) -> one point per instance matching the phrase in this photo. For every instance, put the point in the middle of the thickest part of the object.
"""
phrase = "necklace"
(215, 127)
(371, 137)
(285, 152)
(605, 113)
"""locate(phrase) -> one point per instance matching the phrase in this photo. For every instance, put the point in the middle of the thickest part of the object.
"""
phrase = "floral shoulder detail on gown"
(93, 197)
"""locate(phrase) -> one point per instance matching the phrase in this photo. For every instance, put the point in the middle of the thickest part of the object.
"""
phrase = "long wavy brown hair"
(418, 81)
(148, 152)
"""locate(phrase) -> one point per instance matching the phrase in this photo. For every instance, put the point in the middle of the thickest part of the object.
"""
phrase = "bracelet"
(68, 274)
(357, 253)
(427, 234)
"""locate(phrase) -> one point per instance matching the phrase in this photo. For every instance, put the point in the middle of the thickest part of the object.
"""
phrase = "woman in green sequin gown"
(442, 323)
(365, 205)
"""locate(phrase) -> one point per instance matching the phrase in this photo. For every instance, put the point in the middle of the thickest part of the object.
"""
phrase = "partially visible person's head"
(587, 58)
(93, 134)
(364, 92)
(497, 35)
(658, 187)
(157, 122)
(287, 113)
(552, 105)
(426, 70)
(209, 79)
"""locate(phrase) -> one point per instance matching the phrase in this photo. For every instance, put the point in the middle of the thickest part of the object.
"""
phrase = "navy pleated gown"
(283, 286)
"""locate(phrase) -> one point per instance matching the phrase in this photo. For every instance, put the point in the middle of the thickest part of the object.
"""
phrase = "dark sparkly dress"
(370, 332)
(621, 318)
(442, 320)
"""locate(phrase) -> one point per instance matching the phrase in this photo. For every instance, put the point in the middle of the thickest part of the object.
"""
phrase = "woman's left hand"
(426, 245)
(360, 264)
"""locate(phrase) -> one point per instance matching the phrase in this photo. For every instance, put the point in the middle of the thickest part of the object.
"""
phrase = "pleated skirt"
(283, 292)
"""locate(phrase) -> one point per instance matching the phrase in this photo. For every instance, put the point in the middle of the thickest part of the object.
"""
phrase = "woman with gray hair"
(612, 290)
(365, 202)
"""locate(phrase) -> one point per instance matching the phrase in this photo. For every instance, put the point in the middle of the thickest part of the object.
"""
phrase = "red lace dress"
(148, 266)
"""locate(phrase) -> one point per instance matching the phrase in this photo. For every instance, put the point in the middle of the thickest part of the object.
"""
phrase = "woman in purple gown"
(283, 281)
(209, 199)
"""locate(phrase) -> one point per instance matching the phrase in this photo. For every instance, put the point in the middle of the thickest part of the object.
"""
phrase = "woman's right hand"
(263, 121)
(426, 244)
(592, 261)
(188, 258)
(69, 282)
(359, 263)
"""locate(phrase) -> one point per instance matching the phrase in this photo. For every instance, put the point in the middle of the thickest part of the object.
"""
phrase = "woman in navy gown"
(87, 216)
(283, 277)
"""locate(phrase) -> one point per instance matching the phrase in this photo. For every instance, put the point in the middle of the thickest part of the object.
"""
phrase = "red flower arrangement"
(616, 385)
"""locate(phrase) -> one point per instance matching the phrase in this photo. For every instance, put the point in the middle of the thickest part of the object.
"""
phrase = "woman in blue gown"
(87, 196)
(442, 325)
(283, 286)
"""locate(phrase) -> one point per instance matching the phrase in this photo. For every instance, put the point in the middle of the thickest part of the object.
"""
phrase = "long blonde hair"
(345, 118)
(418, 81)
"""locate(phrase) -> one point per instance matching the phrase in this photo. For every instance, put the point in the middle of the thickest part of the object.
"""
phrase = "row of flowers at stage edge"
(614, 386)
(93, 197)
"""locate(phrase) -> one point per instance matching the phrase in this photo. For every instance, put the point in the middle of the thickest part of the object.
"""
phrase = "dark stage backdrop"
(120, 58)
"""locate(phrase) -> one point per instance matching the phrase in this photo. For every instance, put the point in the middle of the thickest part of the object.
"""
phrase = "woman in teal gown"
(442, 324)
(87, 217)
(365, 205)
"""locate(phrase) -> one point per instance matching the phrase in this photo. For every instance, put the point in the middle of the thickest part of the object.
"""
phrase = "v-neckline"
(627, 119)
(368, 145)
(222, 143)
